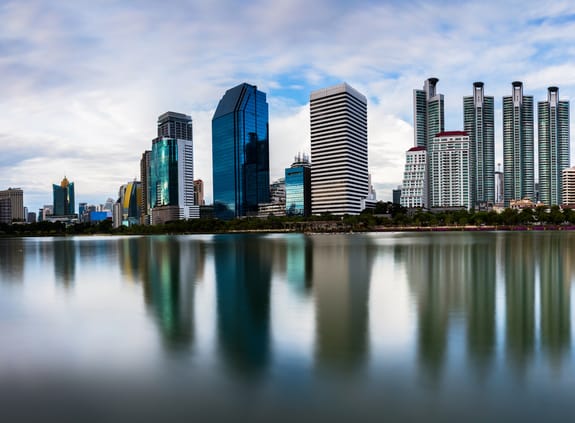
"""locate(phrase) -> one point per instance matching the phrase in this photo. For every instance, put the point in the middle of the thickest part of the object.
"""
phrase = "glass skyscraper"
(240, 152)
(428, 113)
(64, 203)
(518, 155)
(478, 122)
(298, 187)
(553, 137)
(171, 181)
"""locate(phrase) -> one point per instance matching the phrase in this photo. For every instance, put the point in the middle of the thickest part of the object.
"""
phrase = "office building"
(130, 198)
(414, 190)
(568, 187)
(64, 204)
(298, 187)
(518, 155)
(171, 181)
(5, 210)
(339, 175)
(428, 113)
(449, 168)
(553, 137)
(15, 197)
(396, 196)
(499, 187)
(199, 193)
(240, 152)
(145, 179)
(478, 122)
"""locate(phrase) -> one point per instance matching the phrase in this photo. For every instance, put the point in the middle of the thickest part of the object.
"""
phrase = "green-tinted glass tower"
(428, 113)
(240, 152)
(64, 198)
(553, 137)
(518, 155)
(478, 122)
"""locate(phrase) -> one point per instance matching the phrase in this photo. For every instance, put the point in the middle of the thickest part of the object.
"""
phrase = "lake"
(364, 327)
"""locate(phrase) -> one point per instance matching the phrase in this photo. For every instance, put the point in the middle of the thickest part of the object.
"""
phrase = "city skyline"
(81, 88)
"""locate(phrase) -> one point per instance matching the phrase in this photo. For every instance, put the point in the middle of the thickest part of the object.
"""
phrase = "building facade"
(414, 190)
(171, 181)
(240, 152)
(15, 198)
(479, 122)
(568, 187)
(518, 154)
(449, 168)
(339, 175)
(64, 204)
(199, 193)
(145, 180)
(130, 198)
(298, 187)
(553, 142)
(428, 113)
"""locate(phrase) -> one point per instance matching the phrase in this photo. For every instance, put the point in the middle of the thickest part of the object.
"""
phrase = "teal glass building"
(240, 152)
(479, 122)
(553, 141)
(64, 202)
(428, 113)
(298, 187)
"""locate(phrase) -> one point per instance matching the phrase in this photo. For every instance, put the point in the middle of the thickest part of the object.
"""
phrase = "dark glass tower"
(478, 122)
(240, 152)
(63, 198)
(428, 113)
(298, 187)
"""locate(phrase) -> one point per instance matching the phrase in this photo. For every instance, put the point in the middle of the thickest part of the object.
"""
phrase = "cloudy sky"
(83, 82)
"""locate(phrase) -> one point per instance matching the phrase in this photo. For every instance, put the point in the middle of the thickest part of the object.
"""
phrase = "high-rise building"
(499, 187)
(568, 187)
(449, 167)
(64, 204)
(518, 155)
(130, 198)
(15, 197)
(145, 179)
(199, 193)
(339, 175)
(171, 182)
(298, 187)
(428, 113)
(396, 195)
(478, 122)
(414, 191)
(553, 136)
(240, 152)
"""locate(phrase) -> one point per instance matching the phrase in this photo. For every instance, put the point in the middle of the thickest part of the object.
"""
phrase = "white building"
(568, 186)
(414, 188)
(339, 175)
(449, 182)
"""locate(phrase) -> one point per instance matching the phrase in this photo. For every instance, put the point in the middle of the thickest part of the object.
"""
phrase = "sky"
(83, 82)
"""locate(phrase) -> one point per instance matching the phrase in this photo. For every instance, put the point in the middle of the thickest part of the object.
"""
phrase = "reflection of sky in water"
(449, 322)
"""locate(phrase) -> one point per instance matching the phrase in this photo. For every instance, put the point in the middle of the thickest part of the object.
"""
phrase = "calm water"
(451, 326)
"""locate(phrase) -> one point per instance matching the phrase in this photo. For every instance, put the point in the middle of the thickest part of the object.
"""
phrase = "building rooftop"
(451, 134)
(417, 149)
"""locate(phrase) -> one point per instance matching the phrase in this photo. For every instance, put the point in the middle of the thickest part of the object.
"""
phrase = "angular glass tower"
(428, 113)
(518, 155)
(64, 204)
(240, 152)
(478, 122)
(553, 137)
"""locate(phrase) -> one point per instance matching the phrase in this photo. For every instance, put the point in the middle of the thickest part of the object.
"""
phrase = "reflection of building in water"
(555, 293)
(11, 260)
(243, 278)
(169, 287)
(341, 277)
(65, 262)
(299, 263)
(519, 263)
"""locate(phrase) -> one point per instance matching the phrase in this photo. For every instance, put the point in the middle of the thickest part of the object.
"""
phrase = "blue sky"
(84, 81)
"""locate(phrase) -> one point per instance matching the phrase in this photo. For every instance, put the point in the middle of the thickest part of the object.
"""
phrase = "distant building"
(15, 197)
(277, 203)
(5, 210)
(414, 190)
(396, 195)
(240, 152)
(428, 113)
(145, 179)
(449, 181)
(171, 180)
(339, 175)
(498, 176)
(518, 153)
(554, 140)
(64, 204)
(298, 187)
(199, 193)
(31, 217)
(568, 186)
(130, 196)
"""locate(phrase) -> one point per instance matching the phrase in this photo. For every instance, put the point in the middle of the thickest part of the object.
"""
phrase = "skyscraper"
(240, 152)
(15, 199)
(145, 179)
(414, 191)
(428, 113)
(298, 187)
(553, 136)
(339, 175)
(518, 160)
(171, 182)
(478, 122)
(64, 204)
